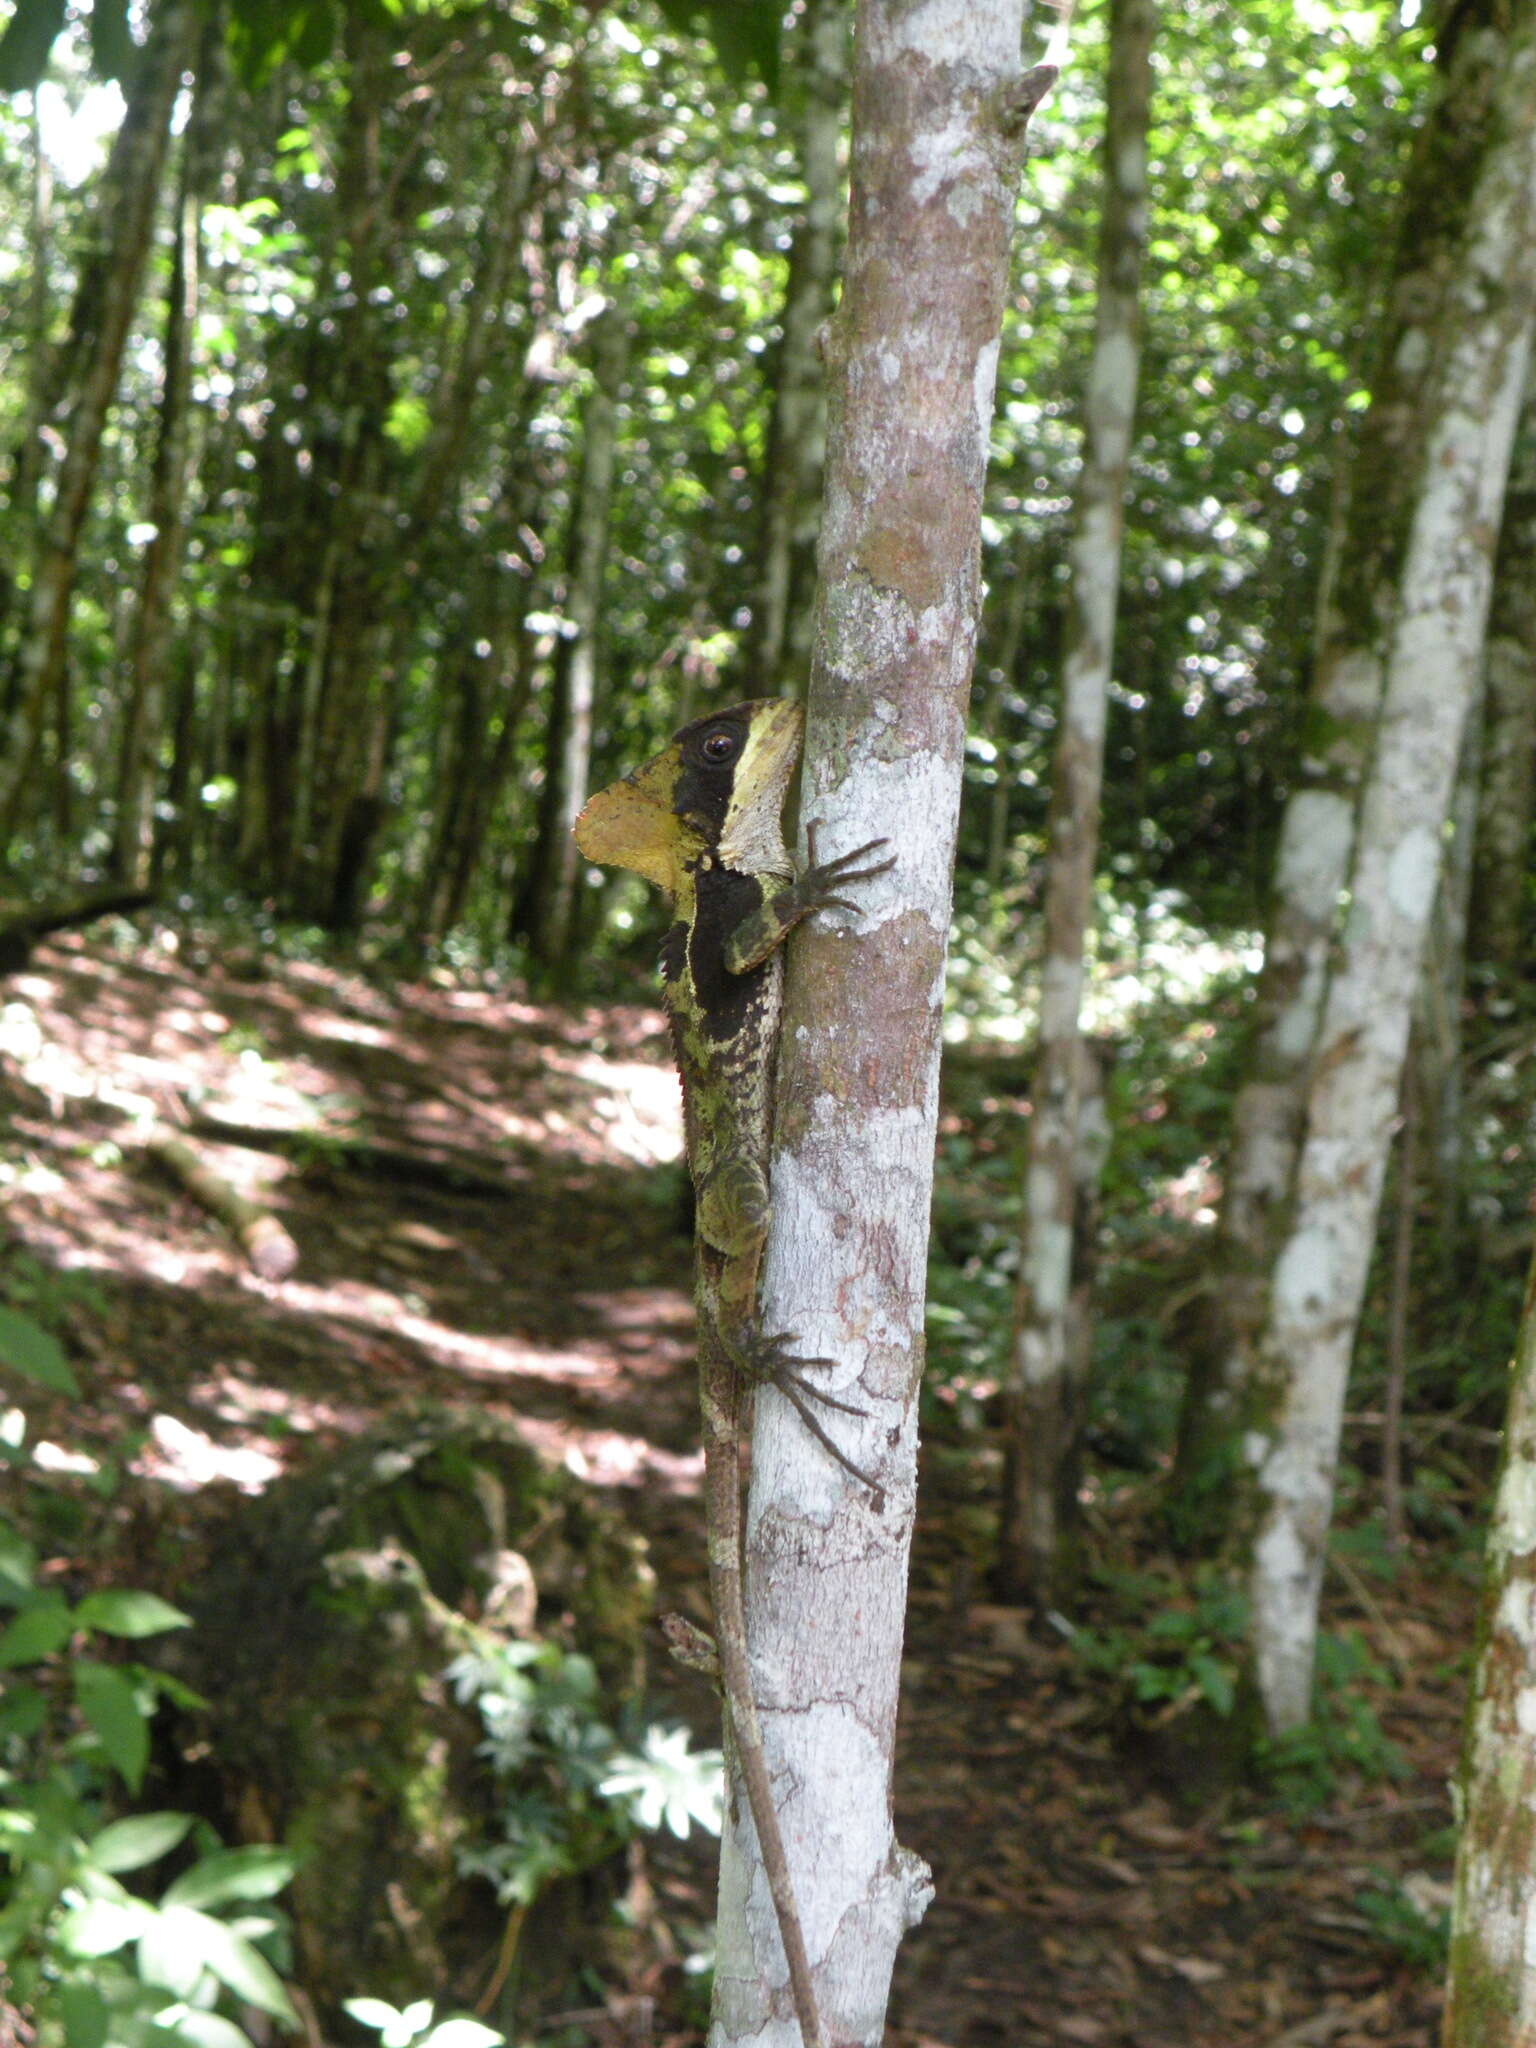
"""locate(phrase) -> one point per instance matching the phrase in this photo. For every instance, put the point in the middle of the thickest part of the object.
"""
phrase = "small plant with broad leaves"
(569, 1793)
(1343, 1737)
(415, 2026)
(1185, 1653)
(87, 1959)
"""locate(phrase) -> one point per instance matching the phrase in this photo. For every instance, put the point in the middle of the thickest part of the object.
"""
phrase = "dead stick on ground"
(271, 1251)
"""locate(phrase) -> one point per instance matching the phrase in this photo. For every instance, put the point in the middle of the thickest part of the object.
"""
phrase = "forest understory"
(514, 1240)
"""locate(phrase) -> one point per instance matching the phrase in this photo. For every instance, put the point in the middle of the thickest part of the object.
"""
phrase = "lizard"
(702, 821)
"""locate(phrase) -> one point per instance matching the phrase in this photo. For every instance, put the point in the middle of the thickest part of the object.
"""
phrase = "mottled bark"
(1432, 665)
(1500, 913)
(1491, 1995)
(939, 108)
(126, 208)
(783, 615)
(1042, 1392)
(133, 843)
(1361, 580)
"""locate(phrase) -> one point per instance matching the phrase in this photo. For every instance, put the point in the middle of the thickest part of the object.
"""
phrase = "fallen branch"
(271, 1251)
(308, 1147)
(20, 930)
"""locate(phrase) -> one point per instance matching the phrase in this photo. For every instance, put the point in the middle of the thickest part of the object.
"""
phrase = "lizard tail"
(722, 1482)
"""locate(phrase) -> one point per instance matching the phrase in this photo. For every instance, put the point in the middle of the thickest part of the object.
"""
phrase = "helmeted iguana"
(702, 821)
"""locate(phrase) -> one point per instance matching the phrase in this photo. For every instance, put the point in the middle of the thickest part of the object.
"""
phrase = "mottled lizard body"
(702, 821)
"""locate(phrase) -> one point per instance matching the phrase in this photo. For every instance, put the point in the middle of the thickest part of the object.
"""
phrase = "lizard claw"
(774, 1359)
(823, 879)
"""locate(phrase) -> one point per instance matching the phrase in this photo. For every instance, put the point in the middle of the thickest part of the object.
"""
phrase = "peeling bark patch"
(898, 554)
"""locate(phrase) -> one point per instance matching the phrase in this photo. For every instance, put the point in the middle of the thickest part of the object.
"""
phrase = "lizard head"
(718, 788)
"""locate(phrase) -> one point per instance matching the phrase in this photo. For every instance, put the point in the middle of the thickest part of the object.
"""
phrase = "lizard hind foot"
(775, 1360)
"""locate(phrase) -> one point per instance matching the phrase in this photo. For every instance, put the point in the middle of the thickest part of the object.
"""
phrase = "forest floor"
(504, 1243)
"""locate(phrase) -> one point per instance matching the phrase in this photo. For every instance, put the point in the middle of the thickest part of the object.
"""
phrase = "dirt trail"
(506, 1238)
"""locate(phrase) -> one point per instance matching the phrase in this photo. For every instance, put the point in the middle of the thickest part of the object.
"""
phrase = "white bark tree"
(1491, 1995)
(1361, 582)
(1432, 664)
(1050, 1337)
(939, 109)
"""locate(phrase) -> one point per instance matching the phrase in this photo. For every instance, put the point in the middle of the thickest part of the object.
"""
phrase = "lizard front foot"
(820, 885)
(775, 1361)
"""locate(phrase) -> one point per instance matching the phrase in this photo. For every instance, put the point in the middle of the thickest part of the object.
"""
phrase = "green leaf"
(371, 2012)
(408, 422)
(86, 2015)
(202, 2029)
(256, 1872)
(129, 1613)
(110, 1703)
(140, 1839)
(462, 2034)
(102, 1926)
(18, 1566)
(26, 1347)
(23, 1710)
(238, 1966)
(36, 1632)
(1215, 1681)
(169, 1954)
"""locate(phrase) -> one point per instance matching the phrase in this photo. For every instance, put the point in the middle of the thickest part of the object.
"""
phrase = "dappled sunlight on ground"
(455, 1169)
(486, 1210)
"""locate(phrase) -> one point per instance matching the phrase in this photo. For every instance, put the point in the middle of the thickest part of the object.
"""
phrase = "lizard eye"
(719, 746)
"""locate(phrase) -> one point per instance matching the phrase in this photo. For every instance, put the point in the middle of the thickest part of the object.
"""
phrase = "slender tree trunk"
(939, 108)
(548, 898)
(1432, 665)
(487, 716)
(1500, 913)
(1361, 581)
(1439, 1077)
(129, 194)
(1491, 1997)
(791, 481)
(28, 462)
(133, 845)
(1003, 682)
(1398, 1303)
(1042, 1395)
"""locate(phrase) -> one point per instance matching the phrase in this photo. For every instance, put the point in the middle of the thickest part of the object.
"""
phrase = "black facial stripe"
(703, 789)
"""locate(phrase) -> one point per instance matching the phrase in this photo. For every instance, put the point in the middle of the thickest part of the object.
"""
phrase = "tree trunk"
(1439, 1078)
(939, 108)
(1433, 661)
(1042, 1400)
(133, 845)
(486, 716)
(547, 906)
(1491, 1994)
(1361, 581)
(791, 482)
(28, 462)
(126, 207)
(1501, 878)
